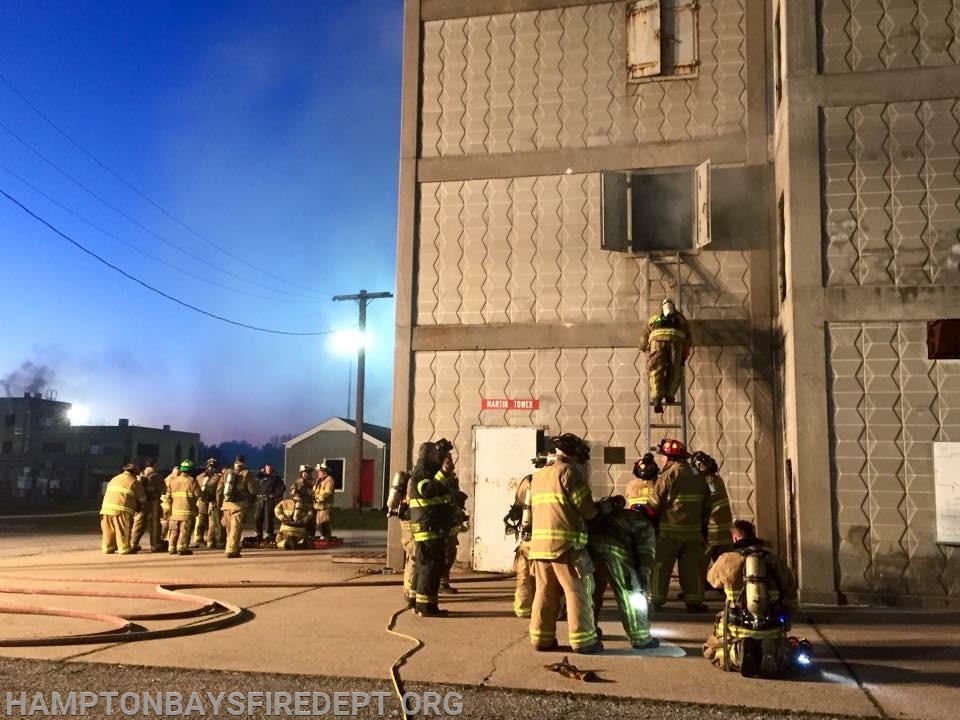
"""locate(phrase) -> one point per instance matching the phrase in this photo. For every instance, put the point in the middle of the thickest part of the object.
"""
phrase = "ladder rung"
(667, 404)
(656, 425)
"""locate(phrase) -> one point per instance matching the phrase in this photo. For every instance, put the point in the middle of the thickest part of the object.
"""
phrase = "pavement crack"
(496, 658)
(849, 668)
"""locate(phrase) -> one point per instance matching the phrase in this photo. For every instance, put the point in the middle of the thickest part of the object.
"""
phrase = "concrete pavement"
(870, 662)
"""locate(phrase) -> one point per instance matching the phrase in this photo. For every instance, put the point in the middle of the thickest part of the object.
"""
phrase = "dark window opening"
(661, 207)
(10, 420)
(335, 470)
(7, 447)
(54, 447)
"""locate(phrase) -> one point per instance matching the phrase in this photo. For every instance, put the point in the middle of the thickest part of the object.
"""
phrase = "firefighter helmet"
(572, 446)
(673, 448)
(646, 468)
(704, 463)
(186, 466)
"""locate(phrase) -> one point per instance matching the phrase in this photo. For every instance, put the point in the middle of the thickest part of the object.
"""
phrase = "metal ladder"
(668, 422)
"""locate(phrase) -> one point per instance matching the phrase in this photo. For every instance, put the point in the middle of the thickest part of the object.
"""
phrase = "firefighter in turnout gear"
(621, 544)
(432, 517)
(294, 515)
(398, 504)
(303, 482)
(323, 491)
(124, 497)
(148, 518)
(640, 489)
(666, 339)
(562, 505)
(239, 488)
(750, 635)
(208, 513)
(681, 501)
(721, 519)
(182, 495)
(519, 521)
(459, 501)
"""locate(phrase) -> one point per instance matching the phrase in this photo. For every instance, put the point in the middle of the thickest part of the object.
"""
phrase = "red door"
(366, 482)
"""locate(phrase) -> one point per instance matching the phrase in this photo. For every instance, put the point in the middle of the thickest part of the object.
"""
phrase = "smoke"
(30, 377)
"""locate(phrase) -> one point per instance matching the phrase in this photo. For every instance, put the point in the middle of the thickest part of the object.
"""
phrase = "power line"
(136, 222)
(139, 192)
(140, 282)
(140, 250)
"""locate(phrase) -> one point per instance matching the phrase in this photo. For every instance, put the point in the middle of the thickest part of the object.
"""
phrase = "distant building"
(42, 456)
(333, 441)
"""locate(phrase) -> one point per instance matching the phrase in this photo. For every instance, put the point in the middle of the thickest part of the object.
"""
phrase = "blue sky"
(272, 129)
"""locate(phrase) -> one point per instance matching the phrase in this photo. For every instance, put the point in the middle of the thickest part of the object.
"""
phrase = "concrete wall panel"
(863, 35)
(891, 193)
(528, 250)
(556, 79)
(888, 405)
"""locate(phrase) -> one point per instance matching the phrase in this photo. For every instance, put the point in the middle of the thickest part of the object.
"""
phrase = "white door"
(502, 457)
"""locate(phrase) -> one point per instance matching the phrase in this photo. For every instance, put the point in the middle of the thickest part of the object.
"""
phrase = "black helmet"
(572, 446)
(646, 468)
(705, 463)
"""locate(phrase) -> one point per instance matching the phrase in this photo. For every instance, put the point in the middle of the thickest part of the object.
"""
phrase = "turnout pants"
(450, 559)
(568, 576)
(116, 533)
(410, 548)
(291, 538)
(234, 514)
(617, 574)
(201, 527)
(147, 521)
(431, 557)
(526, 583)
(179, 534)
(687, 552)
(216, 532)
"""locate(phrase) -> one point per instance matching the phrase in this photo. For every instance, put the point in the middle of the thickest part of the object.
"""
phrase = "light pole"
(362, 298)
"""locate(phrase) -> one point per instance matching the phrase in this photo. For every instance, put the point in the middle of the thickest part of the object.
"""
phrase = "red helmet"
(673, 448)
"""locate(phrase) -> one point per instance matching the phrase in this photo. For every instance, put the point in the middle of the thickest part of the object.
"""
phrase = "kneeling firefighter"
(750, 635)
(622, 543)
(294, 516)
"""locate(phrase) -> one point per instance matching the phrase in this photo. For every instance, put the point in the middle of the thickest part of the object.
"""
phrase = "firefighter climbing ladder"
(674, 416)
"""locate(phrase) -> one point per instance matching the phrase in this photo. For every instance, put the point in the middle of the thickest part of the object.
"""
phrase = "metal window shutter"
(643, 38)
(614, 233)
(702, 199)
(684, 51)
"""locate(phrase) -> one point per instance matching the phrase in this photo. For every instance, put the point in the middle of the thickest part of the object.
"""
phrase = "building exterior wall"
(557, 78)
(335, 444)
(511, 111)
(862, 36)
(866, 162)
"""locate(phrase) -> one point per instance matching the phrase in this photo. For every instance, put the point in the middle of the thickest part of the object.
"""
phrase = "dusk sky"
(269, 128)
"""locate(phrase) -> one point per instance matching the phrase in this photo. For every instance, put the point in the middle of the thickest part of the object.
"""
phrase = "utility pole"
(362, 298)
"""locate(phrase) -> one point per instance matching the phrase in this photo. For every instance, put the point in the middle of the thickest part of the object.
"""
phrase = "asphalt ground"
(871, 661)
(31, 676)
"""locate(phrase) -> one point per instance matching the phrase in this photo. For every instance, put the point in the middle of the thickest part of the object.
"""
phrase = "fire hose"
(124, 628)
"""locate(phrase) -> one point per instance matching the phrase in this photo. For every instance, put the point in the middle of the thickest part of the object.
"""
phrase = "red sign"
(509, 404)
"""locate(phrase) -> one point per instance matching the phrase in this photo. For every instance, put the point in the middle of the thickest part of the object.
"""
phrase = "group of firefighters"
(572, 548)
(209, 509)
